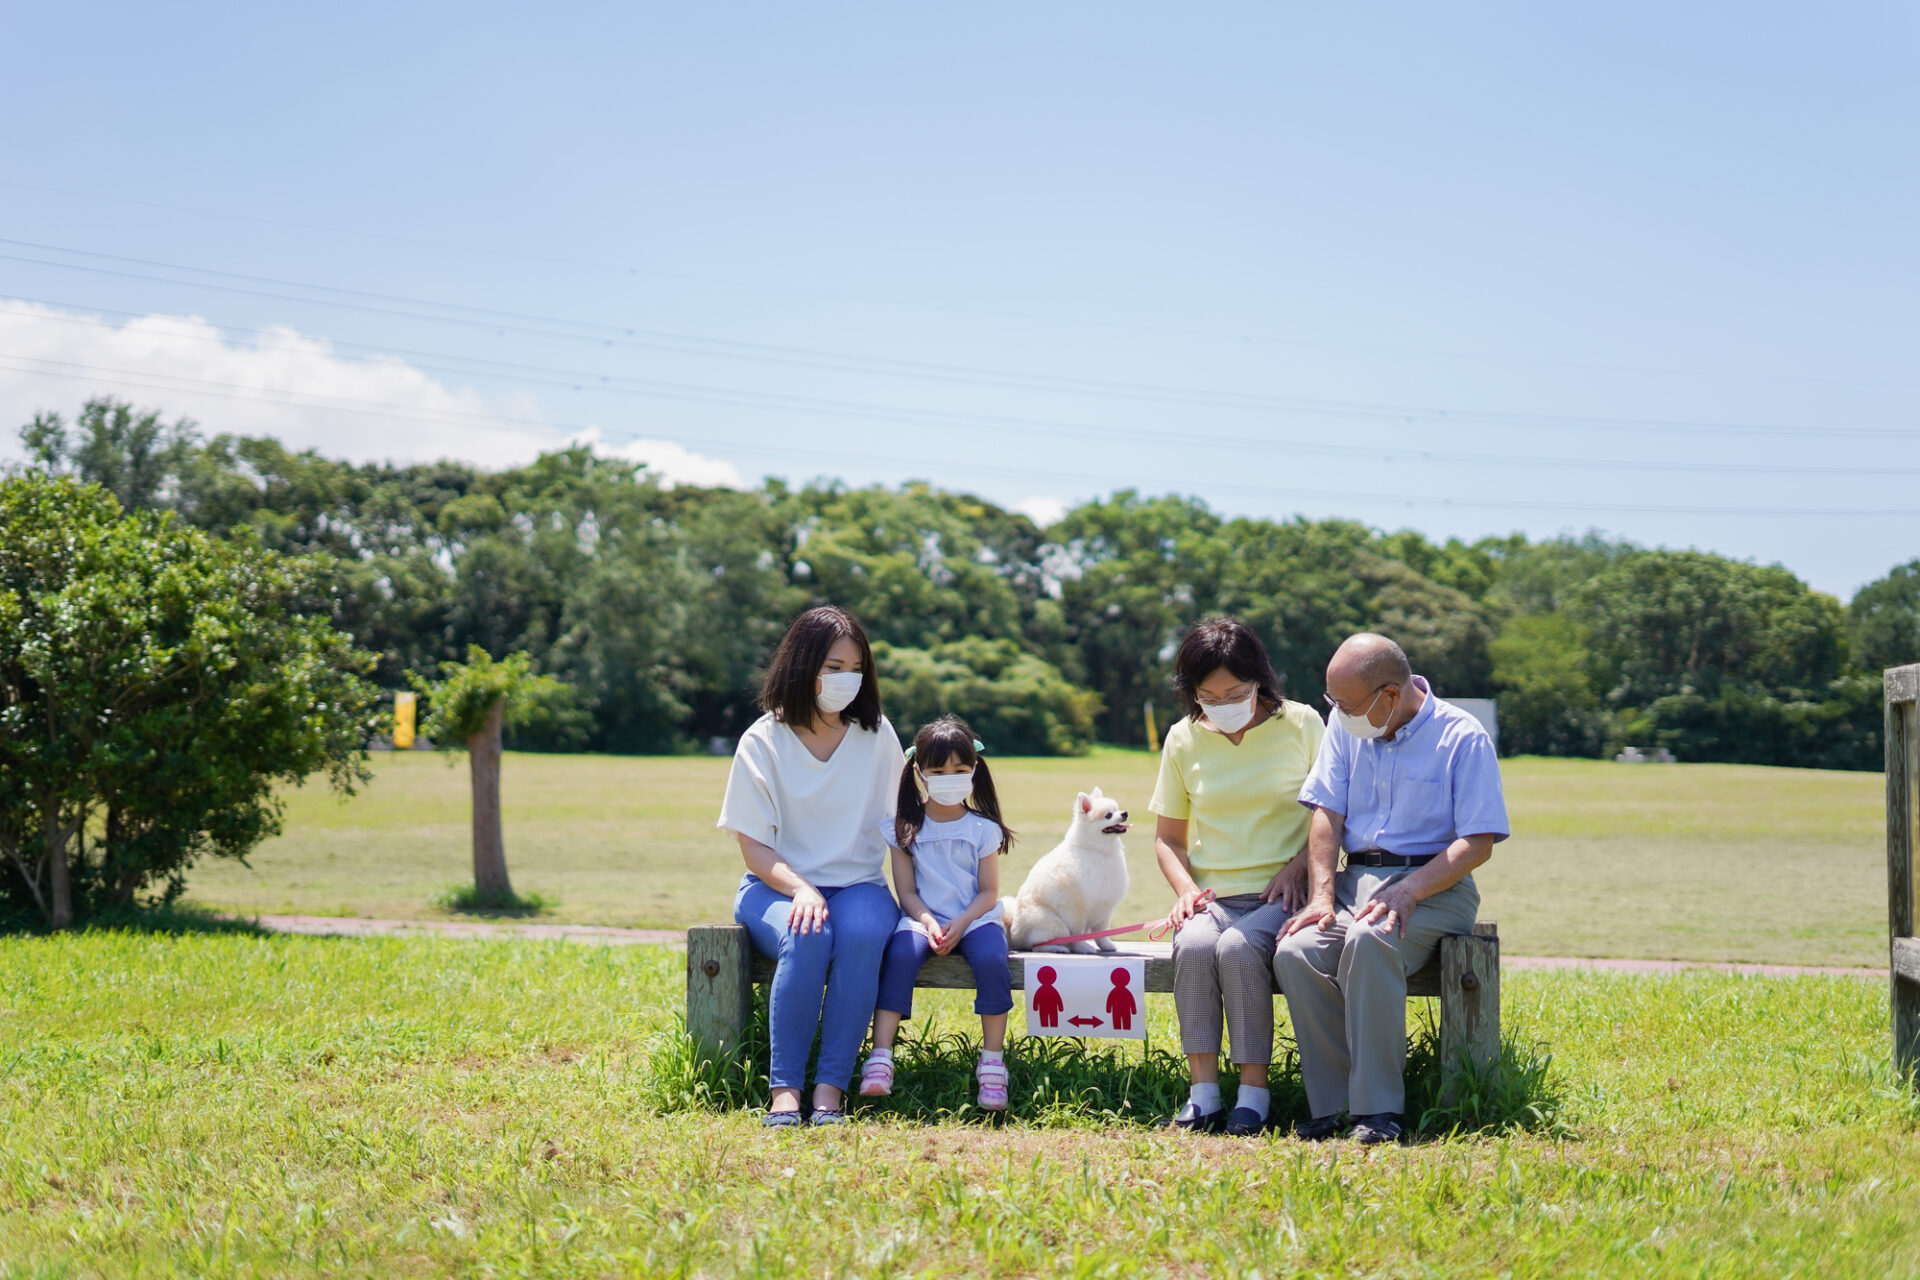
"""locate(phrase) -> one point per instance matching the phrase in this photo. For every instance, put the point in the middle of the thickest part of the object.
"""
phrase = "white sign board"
(1087, 996)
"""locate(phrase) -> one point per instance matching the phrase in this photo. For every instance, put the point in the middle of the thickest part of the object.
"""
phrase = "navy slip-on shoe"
(781, 1120)
(1194, 1120)
(827, 1116)
(1245, 1122)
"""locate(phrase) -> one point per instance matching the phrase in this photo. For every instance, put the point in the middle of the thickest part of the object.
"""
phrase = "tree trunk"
(489, 854)
(59, 882)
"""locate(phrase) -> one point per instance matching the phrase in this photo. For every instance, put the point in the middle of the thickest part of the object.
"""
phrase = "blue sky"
(1471, 269)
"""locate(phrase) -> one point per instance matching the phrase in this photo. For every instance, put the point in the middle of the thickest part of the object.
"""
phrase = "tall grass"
(1061, 1082)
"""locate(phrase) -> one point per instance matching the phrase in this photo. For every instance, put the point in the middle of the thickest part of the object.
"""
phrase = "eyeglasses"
(1247, 691)
(1378, 689)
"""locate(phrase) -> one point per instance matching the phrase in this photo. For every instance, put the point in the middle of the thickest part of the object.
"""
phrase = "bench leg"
(1469, 1007)
(719, 988)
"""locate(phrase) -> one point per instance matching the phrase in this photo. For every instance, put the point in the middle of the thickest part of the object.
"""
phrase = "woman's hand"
(1289, 885)
(1186, 906)
(809, 913)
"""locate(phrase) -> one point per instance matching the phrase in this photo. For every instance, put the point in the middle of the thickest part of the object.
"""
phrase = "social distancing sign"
(1087, 996)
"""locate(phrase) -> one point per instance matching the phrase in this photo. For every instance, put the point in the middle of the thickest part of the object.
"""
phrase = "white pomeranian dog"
(1076, 888)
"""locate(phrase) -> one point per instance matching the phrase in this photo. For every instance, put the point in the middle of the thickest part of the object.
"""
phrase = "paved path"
(355, 927)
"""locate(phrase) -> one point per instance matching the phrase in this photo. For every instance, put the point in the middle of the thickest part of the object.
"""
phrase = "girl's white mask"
(1233, 717)
(947, 788)
(837, 689)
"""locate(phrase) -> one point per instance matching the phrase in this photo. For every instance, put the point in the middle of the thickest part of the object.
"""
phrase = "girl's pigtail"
(909, 814)
(987, 803)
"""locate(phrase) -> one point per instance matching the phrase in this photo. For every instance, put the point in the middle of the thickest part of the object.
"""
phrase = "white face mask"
(947, 788)
(1359, 726)
(1233, 717)
(837, 689)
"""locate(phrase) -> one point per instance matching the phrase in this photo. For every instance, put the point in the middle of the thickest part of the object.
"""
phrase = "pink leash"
(1158, 927)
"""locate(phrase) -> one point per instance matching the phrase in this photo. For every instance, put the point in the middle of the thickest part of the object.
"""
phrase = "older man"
(1410, 786)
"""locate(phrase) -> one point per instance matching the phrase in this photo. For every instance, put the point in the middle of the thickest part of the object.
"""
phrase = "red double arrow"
(1085, 1022)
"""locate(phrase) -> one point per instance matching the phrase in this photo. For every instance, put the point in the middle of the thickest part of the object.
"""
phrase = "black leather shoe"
(1318, 1129)
(1371, 1131)
(1245, 1122)
(1192, 1118)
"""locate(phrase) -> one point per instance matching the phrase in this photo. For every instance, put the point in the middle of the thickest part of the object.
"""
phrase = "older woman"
(1230, 824)
(811, 781)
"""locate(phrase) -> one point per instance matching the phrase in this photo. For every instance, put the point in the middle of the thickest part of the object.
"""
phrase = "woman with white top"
(811, 782)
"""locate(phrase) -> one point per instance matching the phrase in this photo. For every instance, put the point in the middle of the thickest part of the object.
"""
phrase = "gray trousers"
(1346, 989)
(1223, 960)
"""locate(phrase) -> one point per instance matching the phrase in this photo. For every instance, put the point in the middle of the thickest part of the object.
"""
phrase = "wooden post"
(1903, 834)
(719, 988)
(1469, 1004)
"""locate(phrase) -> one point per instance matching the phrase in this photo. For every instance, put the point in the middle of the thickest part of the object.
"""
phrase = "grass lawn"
(226, 1105)
(1694, 862)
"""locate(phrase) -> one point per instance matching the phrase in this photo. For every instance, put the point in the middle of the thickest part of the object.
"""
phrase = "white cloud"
(673, 463)
(286, 385)
(1042, 511)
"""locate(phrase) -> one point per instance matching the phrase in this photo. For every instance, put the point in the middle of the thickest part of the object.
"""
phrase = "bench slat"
(952, 972)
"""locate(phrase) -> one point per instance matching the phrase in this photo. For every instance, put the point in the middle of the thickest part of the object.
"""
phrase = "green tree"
(128, 453)
(1545, 674)
(472, 703)
(1018, 703)
(156, 686)
(1883, 620)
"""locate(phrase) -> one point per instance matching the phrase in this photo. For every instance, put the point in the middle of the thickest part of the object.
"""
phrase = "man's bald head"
(1365, 662)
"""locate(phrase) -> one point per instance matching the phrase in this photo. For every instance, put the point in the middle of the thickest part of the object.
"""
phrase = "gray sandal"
(827, 1116)
(781, 1120)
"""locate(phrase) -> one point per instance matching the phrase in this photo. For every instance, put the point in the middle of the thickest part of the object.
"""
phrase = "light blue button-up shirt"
(1438, 780)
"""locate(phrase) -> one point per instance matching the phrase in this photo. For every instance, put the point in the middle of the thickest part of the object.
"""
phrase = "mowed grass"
(214, 1106)
(1691, 862)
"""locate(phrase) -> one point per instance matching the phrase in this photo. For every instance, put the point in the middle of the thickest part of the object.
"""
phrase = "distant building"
(1646, 755)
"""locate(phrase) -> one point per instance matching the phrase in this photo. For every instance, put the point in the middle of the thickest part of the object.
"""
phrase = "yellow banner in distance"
(403, 721)
(1153, 731)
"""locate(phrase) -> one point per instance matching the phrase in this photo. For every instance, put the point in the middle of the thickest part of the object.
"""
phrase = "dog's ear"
(1085, 802)
(1097, 795)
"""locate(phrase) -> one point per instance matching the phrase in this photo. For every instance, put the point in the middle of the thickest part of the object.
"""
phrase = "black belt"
(1380, 858)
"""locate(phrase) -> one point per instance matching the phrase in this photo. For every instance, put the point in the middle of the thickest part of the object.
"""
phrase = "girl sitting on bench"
(949, 887)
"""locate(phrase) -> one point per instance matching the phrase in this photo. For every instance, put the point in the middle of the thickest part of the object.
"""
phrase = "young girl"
(949, 886)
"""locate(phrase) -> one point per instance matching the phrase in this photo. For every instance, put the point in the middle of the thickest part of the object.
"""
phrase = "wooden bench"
(722, 969)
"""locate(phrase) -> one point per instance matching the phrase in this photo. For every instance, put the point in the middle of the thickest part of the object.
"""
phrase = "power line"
(690, 344)
(692, 392)
(987, 313)
(757, 449)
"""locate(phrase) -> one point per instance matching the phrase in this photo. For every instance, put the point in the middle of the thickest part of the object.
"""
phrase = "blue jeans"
(839, 965)
(986, 951)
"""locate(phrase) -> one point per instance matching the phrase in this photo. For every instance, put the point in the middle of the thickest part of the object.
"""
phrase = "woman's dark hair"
(1217, 643)
(944, 740)
(788, 690)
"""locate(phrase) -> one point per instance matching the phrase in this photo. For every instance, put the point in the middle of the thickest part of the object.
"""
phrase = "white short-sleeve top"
(821, 816)
(946, 867)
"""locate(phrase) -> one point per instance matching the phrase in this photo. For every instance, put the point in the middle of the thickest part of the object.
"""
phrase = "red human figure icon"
(1121, 1006)
(1046, 1001)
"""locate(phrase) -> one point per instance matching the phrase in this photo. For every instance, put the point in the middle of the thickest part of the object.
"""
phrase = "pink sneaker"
(876, 1078)
(993, 1085)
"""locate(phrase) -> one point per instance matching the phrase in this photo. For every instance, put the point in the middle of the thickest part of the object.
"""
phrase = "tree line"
(658, 602)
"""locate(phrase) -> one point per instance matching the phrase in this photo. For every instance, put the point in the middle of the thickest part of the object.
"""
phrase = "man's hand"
(1392, 905)
(809, 912)
(1185, 907)
(1317, 914)
(1289, 885)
